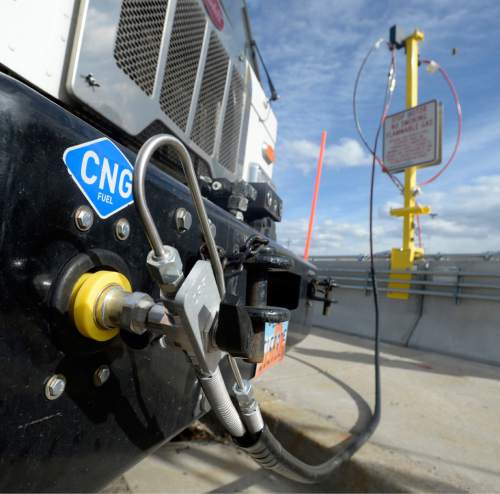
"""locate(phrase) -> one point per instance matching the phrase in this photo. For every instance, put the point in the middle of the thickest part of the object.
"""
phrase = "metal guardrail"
(453, 305)
(484, 256)
(434, 273)
(360, 279)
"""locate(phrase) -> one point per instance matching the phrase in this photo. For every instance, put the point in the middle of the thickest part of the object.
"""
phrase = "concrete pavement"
(440, 428)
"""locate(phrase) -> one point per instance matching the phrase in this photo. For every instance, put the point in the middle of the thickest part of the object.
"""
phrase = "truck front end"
(122, 317)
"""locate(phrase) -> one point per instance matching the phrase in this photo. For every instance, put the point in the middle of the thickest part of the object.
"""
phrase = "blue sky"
(313, 49)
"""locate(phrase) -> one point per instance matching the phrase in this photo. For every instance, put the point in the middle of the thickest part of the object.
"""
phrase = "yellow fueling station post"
(402, 259)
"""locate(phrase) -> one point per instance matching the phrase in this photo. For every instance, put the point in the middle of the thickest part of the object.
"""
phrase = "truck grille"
(182, 61)
(208, 110)
(138, 40)
(144, 39)
(232, 123)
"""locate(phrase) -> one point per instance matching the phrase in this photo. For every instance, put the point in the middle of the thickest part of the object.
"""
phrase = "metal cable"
(391, 80)
(145, 153)
(139, 180)
(236, 372)
(267, 450)
(454, 93)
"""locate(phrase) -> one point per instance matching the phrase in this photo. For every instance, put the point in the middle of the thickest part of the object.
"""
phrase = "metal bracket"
(197, 303)
(457, 287)
(324, 287)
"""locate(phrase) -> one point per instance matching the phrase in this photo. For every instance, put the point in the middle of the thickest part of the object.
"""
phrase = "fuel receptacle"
(90, 294)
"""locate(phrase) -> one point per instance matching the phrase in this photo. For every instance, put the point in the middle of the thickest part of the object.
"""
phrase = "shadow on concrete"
(364, 410)
(427, 457)
(410, 359)
(202, 456)
(364, 415)
(351, 477)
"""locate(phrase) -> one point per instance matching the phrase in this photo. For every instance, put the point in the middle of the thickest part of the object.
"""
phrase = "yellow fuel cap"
(84, 299)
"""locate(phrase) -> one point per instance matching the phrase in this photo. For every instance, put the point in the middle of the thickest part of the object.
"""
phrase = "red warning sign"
(413, 137)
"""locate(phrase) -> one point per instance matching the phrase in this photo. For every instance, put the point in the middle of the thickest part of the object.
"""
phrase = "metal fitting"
(249, 408)
(160, 319)
(134, 313)
(101, 375)
(84, 218)
(183, 220)
(166, 270)
(55, 386)
(117, 308)
(244, 395)
(237, 202)
(213, 228)
(163, 342)
(122, 229)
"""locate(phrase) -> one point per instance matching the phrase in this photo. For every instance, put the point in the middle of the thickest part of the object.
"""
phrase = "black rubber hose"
(266, 450)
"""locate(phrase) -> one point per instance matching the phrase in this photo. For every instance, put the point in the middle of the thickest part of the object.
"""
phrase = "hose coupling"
(166, 269)
(249, 408)
(134, 313)
(116, 308)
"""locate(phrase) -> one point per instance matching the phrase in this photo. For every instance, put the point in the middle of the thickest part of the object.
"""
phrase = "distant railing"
(455, 284)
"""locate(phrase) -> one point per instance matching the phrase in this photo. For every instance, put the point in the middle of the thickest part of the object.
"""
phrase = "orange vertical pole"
(315, 195)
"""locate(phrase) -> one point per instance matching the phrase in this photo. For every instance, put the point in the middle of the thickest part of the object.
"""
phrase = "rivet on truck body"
(55, 386)
(84, 218)
(101, 375)
(122, 229)
(183, 220)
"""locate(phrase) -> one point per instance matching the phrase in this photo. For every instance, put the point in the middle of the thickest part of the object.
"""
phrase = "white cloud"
(303, 154)
(467, 217)
(330, 237)
(466, 221)
(103, 31)
(347, 153)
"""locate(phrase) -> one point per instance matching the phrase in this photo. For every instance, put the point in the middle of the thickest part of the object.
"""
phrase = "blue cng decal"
(103, 174)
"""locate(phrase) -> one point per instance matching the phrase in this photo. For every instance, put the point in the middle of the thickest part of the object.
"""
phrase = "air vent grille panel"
(228, 153)
(208, 110)
(182, 61)
(138, 40)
